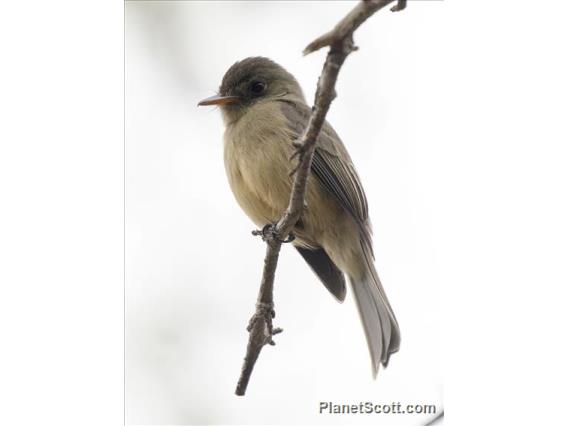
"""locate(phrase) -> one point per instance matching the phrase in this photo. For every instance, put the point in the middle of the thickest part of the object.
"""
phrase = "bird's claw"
(269, 232)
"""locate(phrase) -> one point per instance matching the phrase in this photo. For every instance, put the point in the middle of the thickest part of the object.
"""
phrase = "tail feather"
(377, 316)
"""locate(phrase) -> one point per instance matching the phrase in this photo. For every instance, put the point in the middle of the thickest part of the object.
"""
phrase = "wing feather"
(333, 167)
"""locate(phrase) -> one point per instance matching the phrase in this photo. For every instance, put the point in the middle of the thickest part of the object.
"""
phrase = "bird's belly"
(259, 177)
(262, 203)
(262, 188)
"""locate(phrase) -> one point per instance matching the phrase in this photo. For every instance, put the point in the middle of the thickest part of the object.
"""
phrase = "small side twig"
(340, 42)
(400, 5)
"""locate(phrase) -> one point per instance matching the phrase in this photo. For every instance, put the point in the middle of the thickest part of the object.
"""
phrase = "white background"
(192, 267)
(476, 127)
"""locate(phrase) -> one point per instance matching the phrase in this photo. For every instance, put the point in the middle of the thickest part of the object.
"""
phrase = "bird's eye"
(257, 87)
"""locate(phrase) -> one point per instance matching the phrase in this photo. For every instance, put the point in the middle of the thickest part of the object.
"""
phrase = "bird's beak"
(219, 100)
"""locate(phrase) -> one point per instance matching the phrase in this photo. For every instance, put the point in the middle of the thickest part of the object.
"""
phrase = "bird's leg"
(269, 232)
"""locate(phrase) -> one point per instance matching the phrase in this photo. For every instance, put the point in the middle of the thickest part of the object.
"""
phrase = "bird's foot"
(265, 313)
(268, 232)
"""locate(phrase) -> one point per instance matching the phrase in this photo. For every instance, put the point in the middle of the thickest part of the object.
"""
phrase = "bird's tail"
(379, 322)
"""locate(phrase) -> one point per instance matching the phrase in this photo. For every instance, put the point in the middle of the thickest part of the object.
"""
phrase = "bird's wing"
(333, 167)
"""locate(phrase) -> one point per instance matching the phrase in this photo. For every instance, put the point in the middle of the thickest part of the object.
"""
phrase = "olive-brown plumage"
(264, 111)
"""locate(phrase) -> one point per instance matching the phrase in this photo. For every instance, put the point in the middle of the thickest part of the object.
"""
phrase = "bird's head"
(251, 81)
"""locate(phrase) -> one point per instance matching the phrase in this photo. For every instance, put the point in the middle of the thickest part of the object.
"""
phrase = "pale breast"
(257, 149)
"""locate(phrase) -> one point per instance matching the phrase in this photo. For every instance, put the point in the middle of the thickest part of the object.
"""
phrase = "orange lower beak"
(219, 100)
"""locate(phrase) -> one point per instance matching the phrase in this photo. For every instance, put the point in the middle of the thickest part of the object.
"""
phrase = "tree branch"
(340, 42)
(347, 26)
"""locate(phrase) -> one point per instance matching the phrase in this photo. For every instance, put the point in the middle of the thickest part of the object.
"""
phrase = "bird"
(264, 112)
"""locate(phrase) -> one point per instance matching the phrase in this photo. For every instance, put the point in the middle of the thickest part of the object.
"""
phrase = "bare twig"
(346, 27)
(340, 42)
